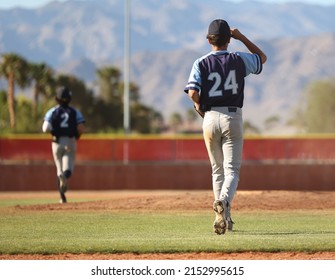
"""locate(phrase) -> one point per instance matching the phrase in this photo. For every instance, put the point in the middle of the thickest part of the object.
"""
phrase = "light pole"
(126, 70)
(126, 105)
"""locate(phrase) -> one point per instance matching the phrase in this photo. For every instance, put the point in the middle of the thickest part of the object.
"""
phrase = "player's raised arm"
(237, 35)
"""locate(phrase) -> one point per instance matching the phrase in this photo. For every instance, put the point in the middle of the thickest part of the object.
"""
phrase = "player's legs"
(212, 138)
(213, 141)
(57, 152)
(68, 158)
(223, 135)
(232, 150)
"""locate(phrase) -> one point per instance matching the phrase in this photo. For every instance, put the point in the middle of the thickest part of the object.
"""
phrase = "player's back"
(64, 122)
(222, 78)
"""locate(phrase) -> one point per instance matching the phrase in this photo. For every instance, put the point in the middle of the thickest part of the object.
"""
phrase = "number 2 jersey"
(219, 78)
(64, 120)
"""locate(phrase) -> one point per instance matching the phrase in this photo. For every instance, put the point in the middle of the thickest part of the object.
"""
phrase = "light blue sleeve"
(80, 118)
(194, 80)
(48, 115)
(253, 63)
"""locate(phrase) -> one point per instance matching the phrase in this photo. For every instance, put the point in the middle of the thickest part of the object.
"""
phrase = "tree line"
(314, 112)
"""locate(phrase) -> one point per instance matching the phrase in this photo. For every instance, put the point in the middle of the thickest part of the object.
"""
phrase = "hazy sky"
(5, 4)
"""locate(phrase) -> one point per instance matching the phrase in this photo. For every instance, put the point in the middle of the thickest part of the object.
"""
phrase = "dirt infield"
(181, 200)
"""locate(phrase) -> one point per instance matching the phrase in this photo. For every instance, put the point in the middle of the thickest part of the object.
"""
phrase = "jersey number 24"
(229, 84)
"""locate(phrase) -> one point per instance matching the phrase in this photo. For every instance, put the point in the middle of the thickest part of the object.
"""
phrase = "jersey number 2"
(229, 84)
(65, 118)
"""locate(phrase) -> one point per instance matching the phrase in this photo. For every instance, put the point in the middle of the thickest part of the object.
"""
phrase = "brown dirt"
(181, 200)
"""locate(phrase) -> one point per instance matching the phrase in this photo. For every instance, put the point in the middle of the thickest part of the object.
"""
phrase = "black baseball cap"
(63, 94)
(219, 27)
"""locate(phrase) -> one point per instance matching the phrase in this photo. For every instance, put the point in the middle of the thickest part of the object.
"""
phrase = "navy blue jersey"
(64, 121)
(219, 78)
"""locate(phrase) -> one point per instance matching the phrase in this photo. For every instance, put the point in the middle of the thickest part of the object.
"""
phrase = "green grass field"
(26, 231)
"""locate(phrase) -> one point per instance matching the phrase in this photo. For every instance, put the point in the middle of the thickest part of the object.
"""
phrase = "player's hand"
(236, 34)
(197, 109)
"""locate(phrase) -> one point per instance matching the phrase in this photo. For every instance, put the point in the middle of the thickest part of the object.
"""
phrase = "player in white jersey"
(216, 87)
(66, 125)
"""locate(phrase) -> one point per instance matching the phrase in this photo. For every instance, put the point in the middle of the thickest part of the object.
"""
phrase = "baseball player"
(66, 125)
(216, 87)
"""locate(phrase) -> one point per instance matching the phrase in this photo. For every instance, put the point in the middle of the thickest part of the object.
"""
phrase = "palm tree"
(15, 69)
(42, 75)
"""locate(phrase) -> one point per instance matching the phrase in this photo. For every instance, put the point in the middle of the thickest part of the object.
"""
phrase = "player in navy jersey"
(216, 87)
(66, 125)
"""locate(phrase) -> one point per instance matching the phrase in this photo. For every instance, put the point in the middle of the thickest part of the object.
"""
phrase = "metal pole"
(126, 111)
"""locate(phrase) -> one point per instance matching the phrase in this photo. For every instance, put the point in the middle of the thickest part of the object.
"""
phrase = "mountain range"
(167, 36)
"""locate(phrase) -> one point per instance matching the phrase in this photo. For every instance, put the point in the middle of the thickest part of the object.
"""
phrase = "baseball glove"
(201, 114)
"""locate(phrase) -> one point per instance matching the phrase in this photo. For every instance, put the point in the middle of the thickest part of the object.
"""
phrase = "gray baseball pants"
(64, 153)
(223, 136)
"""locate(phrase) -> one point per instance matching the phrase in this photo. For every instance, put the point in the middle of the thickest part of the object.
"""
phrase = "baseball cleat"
(220, 223)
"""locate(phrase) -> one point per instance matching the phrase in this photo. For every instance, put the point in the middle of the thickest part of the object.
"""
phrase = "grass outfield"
(26, 231)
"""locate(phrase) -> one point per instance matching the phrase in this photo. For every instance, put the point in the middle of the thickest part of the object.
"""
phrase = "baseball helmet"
(63, 95)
